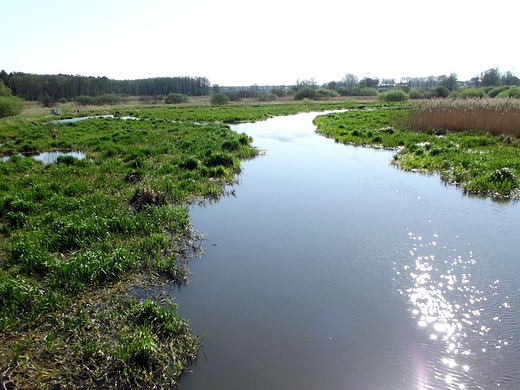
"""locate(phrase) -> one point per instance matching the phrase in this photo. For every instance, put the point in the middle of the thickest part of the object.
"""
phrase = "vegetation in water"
(478, 158)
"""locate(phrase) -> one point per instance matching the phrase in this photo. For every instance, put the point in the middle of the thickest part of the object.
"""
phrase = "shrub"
(176, 98)
(108, 98)
(416, 93)
(510, 93)
(393, 95)
(469, 93)
(323, 93)
(305, 93)
(440, 92)
(84, 100)
(271, 97)
(10, 106)
(219, 99)
(367, 91)
(495, 91)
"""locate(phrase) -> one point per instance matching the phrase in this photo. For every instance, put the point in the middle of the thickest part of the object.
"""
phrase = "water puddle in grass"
(83, 118)
(49, 157)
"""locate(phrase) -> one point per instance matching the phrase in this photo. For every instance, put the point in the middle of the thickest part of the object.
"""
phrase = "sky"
(263, 42)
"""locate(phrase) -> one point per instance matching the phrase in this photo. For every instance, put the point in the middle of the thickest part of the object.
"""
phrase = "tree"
(350, 81)
(490, 78)
(509, 78)
(449, 82)
(369, 82)
(4, 89)
(440, 92)
(332, 85)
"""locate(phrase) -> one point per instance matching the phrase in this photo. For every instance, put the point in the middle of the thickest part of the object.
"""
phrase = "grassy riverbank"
(78, 236)
(479, 159)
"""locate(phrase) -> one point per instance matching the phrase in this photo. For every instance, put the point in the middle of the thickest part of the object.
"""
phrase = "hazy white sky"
(267, 42)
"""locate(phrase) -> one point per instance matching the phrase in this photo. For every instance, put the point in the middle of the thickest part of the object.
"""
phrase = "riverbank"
(476, 161)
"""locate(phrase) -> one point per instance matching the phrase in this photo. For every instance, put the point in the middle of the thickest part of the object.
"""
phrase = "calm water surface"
(330, 269)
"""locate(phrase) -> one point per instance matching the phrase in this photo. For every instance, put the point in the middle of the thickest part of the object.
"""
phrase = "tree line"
(35, 87)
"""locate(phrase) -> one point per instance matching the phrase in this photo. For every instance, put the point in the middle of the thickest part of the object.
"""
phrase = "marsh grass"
(477, 161)
(500, 116)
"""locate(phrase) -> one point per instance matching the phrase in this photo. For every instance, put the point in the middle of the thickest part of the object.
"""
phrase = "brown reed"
(499, 116)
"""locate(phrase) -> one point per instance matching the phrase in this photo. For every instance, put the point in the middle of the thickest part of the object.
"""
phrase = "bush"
(510, 93)
(496, 90)
(393, 95)
(305, 93)
(219, 99)
(10, 106)
(4, 89)
(271, 97)
(84, 100)
(323, 93)
(367, 91)
(416, 93)
(469, 93)
(440, 92)
(176, 98)
(108, 98)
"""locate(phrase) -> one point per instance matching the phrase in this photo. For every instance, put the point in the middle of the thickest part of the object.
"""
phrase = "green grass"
(75, 235)
(476, 161)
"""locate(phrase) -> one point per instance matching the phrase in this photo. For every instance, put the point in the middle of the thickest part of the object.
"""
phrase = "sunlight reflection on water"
(445, 302)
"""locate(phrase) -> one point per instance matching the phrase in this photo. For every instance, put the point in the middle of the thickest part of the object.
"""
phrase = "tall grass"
(496, 116)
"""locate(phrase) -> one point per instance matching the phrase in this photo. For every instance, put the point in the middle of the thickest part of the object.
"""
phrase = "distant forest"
(34, 87)
(53, 88)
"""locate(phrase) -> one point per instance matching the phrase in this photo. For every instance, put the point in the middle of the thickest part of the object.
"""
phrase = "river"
(331, 269)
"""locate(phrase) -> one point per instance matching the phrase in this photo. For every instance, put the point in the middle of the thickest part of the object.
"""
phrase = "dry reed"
(496, 116)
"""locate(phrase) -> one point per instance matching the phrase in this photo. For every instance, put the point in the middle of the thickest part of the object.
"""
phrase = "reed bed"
(498, 117)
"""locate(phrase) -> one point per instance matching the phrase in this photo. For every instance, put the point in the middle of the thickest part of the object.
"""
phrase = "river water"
(331, 269)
